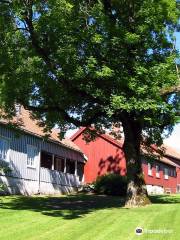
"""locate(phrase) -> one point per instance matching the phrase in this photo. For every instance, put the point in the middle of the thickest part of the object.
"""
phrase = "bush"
(4, 167)
(111, 184)
(3, 189)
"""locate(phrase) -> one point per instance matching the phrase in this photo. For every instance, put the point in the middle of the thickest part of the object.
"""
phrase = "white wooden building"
(38, 165)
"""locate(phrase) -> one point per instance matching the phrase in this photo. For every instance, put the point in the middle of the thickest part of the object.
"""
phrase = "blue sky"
(174, 139)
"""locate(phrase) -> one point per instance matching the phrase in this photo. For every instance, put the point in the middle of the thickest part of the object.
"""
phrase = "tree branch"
(108, 9)
(4, 1)
(66, 116)
(170, 90)
(35, 42)
(53, 67)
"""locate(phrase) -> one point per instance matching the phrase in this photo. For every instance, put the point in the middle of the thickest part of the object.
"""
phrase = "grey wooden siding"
(18, 157)
(56, 177)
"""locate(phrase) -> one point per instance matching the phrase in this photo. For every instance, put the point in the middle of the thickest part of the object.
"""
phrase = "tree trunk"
(136, 190)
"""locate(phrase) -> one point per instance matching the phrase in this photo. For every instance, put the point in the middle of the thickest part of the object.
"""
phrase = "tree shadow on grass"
(73, 206)
(165, 199)
(67, 207)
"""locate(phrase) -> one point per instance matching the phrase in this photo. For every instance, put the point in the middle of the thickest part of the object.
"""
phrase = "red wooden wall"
(170, 183)
(105, 155)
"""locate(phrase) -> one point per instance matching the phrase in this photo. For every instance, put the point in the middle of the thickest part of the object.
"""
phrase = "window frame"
(8, 148)
(158, 172)
(34, 159)
(150, 167)
(166, 174)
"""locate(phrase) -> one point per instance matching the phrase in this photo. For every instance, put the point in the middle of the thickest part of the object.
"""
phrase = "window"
(157, 171)
(46, 160)
(70, 166)
(149, 169)
(59, 164)
(172, 172)
(4, 147)
(166, 176)
(32, 154)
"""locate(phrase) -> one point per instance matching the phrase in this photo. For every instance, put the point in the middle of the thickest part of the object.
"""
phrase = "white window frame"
(166, 173)
(150, 166)
(158, 172)
(33, 163)
(6, 159)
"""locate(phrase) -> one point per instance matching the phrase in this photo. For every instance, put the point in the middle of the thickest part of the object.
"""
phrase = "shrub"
(4, 169)
(111, 184)
(3, 189)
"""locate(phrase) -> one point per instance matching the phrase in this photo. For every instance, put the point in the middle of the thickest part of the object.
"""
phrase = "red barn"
(105, 155)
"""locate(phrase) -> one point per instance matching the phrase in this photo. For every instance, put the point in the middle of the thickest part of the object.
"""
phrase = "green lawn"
(86, 217)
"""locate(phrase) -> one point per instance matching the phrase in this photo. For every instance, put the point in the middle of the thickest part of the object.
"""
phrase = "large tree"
(76, 62)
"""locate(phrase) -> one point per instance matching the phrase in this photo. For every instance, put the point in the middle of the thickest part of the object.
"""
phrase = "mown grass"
(86, 217)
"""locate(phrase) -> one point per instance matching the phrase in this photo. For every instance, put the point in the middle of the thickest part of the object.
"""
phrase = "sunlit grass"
(86, 217)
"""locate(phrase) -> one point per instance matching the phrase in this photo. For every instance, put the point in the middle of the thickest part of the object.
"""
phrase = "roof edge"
(112, 141)
(76, 134)
(104, 136)
(47, 139)
(172, 156)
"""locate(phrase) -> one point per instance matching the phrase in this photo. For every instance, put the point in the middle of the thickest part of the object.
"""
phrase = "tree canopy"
(86, 62)
(92, 62)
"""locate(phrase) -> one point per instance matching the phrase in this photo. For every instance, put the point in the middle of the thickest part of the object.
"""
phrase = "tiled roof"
(162, 157)
(171, 152)
(168, 161)
(29, 125)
